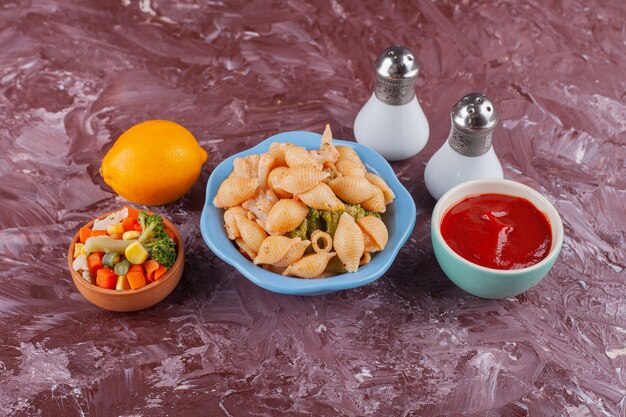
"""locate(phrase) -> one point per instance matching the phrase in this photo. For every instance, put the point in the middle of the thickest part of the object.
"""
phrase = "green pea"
(122, 267)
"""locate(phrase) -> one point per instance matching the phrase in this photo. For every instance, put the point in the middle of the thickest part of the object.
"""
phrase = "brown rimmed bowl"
(130, 300)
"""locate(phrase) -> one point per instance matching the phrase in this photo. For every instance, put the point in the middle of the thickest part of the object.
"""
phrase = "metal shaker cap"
(396, 71)
(473, 119)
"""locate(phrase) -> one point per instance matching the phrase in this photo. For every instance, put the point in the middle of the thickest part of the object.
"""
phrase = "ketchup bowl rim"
(454, 196)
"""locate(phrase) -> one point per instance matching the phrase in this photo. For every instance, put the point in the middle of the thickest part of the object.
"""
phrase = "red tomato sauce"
(497, 231)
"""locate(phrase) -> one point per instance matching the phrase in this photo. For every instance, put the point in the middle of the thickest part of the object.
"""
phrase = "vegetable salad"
(128, 249)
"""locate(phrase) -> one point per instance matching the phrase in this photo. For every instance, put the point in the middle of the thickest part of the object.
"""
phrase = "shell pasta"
(305, 213)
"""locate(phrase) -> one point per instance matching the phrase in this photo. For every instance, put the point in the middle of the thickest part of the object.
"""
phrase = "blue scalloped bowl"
(399, 218)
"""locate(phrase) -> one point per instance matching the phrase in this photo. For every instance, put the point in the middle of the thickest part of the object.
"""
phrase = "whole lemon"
(154, 162)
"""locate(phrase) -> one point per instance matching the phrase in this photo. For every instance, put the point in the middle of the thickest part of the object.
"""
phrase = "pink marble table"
(75, 74)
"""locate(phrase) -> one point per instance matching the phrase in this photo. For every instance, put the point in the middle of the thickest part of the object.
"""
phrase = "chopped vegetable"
(136, 280)
(151, 266)
(122, 267)
(95, 233)
(106, 278)
(331, 220)
(137, 268)
(80, 263)
(113, 218)
(94, 261)
(122, 283)
(132, 212)
(117, 228)
(158, 274)
(136, 253)
(155, 240)
(110, 259)
(314, 222)
(129, 223)
(299, 231)
(78, 249)
(131, 234)
(84, 233)
(106, 244)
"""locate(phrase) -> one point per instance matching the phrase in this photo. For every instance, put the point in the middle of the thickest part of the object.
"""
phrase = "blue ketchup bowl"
(399, 219)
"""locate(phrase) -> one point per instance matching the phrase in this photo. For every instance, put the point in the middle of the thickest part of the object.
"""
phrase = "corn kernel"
(113, 229)
(122, 283)
(136, 254)
(79, 249)
(131, 234)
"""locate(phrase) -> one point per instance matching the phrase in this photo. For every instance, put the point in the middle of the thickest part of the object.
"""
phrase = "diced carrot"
(137, 268)
(150, 266)
(158, 274)
(132, 212)
(170, 232)
(106, 278)
(137, 227)
(117, 236)
(129, 223)
(136, 280)
(98, 233)
(94, 261)
(84, 233)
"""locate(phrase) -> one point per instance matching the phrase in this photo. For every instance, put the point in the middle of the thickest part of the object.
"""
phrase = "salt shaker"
(468, 153)
(392, 121)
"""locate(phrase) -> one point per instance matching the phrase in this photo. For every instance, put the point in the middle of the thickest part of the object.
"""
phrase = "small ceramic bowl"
(487, 282)
(131, 300)
(399, 219)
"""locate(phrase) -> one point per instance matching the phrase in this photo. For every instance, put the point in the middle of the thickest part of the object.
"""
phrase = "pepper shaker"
(468, 153)
(392, 121)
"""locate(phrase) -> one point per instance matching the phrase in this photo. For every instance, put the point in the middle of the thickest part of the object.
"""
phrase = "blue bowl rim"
(220, 245)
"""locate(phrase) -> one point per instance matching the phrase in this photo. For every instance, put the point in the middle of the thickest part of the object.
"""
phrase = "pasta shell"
(346, 152)
(301, 178)
(297, 155)
(321, 197)
(375, 233)
(230, 221)
(234, 191)
(251, 233)
(261, 205)
(286, 215)
(245, 249)
(380, 183)
(311, 266)
(246, 167)
(293, 254)
(274, 178)
(327, 241)
(349, 167)
(266, 164)
(376, 203)
(352, 189)
(274, 269)
(365, 258)
(278, 154)
(348, 242)
(274, 248)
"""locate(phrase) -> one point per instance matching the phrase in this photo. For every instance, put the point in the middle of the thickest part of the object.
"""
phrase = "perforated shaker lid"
(396, 70)
(473, 119)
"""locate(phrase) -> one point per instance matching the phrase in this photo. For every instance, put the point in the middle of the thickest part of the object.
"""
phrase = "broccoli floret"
(164, 252)
(331, 220)
(314, 221)
(356, 211)
(299, 231)
(155, 239)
